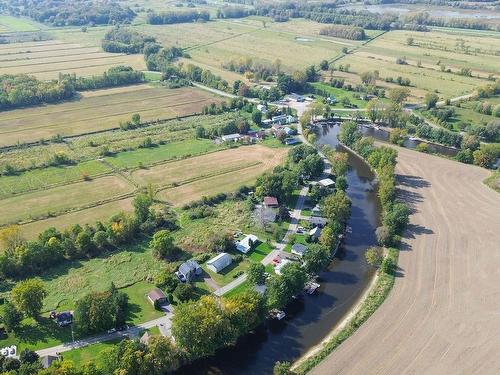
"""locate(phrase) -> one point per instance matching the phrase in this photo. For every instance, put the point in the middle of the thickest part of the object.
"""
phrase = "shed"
(231, 137)
(219, 262)
(299, 249)
(245, 245)
(271, 202)
(326, 182)
(157, 297)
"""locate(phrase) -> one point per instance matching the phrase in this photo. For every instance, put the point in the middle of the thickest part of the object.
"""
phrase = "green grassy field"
(10, 23)
(89, 353)
(339, 94)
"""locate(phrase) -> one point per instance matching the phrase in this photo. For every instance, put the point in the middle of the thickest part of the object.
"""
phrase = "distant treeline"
(125, 40)
(342, 31)
(72, 12)
(21, 90)
(171, 17)
(234, 12)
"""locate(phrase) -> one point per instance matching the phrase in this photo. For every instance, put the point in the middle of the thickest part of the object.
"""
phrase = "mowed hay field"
(210, 174)
(100, 110)
(46, 59)
(63, 198)
(454, 50)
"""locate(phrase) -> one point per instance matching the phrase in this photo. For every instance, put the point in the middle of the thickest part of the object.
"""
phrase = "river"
(310, 318)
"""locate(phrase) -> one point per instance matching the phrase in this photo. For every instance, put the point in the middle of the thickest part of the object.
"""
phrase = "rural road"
(443, 314)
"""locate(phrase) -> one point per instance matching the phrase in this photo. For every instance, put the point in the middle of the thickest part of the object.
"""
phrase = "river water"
(310, 318)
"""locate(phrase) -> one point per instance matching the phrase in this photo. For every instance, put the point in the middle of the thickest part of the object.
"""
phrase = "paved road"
(443, 314)
(164, 324)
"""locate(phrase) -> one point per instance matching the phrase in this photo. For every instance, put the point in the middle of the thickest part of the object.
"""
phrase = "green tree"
(162, 356)
(28, 296)
(316, 258)
(136, 119)
(163, 244)
(255, 274)
(282, 368)
(374, 109)
(341, 183)
(245, 311)
(430, 100)
(397, 217)
(349, 133)
(142, 203)
(184, 292)
(337, 207)
(397, 136)
(11, 317)
(257, 117)
(399, 94)
(384, 235)
(374, 256)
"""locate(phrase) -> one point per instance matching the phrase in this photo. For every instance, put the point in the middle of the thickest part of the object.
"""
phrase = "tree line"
(21, 258)
(125, 40)
(73, 12)
(344, 31)
(21, 90)
(172, 17)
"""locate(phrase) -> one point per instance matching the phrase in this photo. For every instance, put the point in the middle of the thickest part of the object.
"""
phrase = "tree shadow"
(345, 278)
(412, 181)
(411, 198)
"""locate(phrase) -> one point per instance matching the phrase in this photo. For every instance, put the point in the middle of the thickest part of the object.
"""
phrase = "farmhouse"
(271, 202)
(299, 249)
(231, 137)
(317, 221)
(245, 245)
(219, 262)
(157, 297)
(188, 270)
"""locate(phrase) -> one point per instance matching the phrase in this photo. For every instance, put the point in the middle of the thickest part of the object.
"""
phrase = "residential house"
(157, 297)
(316, 211)
(271, 202)
(267, 122)
(280, 119)
(246, 244)
(315, 233)
(219, 262)
(288, 130)
(262, 108)
(231, 137)
(326, 182)
(317, 221)
(280, 265)
(188, 270)
(299, 249)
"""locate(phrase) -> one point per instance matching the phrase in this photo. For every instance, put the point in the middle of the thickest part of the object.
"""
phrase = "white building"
(219, 262)
(245, 245)
(280, 266)
(231, 137)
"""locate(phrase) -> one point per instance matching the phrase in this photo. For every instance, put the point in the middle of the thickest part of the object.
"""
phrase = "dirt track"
(443, 315)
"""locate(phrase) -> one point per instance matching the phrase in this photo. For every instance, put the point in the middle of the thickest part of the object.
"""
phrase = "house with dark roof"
(64, 318)
(299, 249)
(188, 270)
(317, 221)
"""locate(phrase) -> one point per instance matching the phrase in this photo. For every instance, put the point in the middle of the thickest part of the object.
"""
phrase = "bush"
(184, 292)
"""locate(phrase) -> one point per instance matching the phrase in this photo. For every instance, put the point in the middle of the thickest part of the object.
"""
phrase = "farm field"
(453, 50)
(81, 194)
(11, 24)
(226, 180)
(99, 110)
(45, 60)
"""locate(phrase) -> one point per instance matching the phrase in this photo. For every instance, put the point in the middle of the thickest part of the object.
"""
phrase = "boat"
(277, 314)
(413, 138)
(311, 287)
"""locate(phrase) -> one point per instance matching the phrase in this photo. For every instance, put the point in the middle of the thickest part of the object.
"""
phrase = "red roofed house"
(271, 202)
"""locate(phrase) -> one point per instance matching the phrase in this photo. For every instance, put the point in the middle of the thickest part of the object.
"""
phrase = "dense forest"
(171, 17)
(72, 12)
(125, 40)
(342, 31)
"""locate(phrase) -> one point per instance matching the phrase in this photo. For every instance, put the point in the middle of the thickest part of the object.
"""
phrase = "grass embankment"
(380, 291)
(494, 181)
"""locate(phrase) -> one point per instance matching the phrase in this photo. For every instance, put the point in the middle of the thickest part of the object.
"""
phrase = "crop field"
(99, 110)
(47, 59)
(431, 49)
(217, 42)
(11, 24)
(222, 176)
(45, 202)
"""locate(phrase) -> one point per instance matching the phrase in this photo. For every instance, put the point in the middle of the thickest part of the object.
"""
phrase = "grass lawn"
(173, 150)
(229, 273)
(139, 308)
(339, 94)
(239, 289)
(17, 24)
(260, 252)
(299, 238)
(89, 353)
(152, 76)
(42, 178)
(274, 143)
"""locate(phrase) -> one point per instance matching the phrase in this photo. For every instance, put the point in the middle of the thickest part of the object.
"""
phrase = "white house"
(262, 108)
(231, 137)
(245, 245)
(315, 233)
(280, 266)
(326, 182)
(219, 262)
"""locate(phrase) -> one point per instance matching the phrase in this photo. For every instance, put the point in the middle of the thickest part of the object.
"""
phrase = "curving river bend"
(311, 318)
